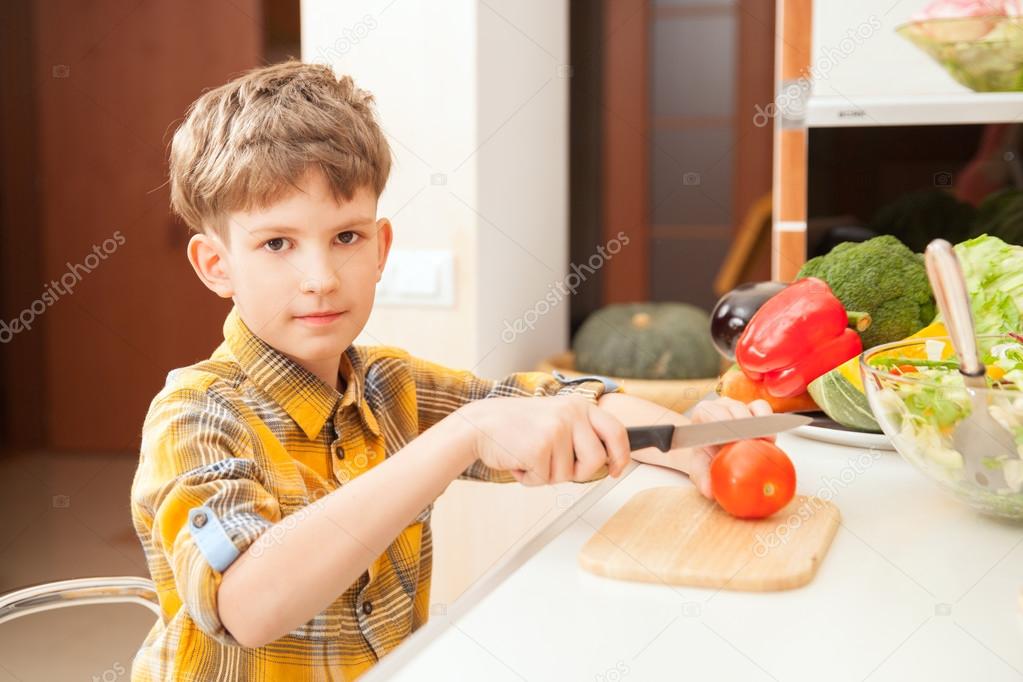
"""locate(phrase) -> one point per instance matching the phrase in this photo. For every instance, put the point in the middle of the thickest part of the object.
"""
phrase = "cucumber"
(842, 401)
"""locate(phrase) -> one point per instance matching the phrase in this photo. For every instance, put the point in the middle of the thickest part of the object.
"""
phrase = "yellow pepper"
(851, 368)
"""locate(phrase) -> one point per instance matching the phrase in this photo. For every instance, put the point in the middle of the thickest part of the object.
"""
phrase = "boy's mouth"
(319, 318)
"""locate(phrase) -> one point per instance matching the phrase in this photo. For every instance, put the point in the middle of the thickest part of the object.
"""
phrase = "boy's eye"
(275, 244)
(348, 237)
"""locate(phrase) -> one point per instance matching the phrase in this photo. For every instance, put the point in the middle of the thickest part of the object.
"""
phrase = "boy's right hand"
(547, 440)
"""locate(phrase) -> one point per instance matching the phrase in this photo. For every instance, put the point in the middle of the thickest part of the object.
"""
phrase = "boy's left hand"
(696, 461)
(720, 409)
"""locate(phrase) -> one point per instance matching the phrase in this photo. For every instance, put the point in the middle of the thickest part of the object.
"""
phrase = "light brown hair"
(245, 144)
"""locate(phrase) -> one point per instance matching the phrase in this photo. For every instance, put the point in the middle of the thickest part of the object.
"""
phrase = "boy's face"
(302, 272)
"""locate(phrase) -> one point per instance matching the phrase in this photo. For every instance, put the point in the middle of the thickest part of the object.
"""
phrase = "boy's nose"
(320, 280)
(314, 285)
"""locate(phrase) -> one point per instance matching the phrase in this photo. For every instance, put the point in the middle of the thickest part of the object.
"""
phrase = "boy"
(284, 486)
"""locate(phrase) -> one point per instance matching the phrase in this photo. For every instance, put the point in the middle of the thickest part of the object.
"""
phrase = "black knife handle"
(644, 436)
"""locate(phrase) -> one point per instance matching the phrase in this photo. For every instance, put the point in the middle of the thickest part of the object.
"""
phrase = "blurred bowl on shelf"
(984, 53)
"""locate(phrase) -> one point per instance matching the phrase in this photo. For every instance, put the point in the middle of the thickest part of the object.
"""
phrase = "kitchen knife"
(668, 436)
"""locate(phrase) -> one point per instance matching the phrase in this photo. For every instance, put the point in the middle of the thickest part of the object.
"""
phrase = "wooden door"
(719, 152)
(120, 305)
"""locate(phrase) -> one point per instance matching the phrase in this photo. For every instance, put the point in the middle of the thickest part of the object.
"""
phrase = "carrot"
(734, 384)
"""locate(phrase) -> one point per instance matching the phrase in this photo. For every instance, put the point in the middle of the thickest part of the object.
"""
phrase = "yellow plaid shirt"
(234, 444)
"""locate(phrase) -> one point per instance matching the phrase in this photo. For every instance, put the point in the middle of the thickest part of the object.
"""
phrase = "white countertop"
(915, 586)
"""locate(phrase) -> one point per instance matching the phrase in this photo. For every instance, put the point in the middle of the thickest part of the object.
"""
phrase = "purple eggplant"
(734, 311)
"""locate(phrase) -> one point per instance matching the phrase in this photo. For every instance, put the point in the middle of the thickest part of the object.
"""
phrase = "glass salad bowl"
(918, 397)
(984, 53)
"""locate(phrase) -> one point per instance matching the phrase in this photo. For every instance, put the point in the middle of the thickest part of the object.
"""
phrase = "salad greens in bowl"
(918, 397)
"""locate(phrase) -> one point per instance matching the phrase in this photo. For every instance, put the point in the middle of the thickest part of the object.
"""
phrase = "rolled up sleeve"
(203, 497)
(441, 390)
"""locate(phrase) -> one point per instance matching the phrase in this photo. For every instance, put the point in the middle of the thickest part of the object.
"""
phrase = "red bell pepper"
(797, 335)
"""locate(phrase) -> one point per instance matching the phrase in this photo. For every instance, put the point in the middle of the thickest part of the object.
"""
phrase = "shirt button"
(199, 521)
(340, 452)
(367, 607)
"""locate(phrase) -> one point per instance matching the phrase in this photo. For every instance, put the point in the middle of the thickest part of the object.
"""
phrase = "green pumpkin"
(647, 341)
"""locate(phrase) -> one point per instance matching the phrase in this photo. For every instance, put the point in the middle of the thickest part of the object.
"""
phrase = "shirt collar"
(305, 397)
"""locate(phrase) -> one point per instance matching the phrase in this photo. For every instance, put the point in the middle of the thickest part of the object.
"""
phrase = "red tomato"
(752, 479)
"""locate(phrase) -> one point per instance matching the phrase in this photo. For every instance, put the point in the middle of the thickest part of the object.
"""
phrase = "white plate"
(840, 436)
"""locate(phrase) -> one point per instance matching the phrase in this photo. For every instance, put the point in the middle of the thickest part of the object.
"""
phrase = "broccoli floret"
(882, 277)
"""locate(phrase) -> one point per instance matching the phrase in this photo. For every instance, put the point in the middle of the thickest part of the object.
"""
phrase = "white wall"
(475, 90)
(522, 186)
(470, 95)
(882, 63)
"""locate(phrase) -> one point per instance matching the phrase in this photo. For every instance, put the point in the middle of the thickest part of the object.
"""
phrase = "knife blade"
(668, 436)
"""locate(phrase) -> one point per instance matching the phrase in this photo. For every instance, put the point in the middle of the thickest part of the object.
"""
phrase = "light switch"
(418, 277)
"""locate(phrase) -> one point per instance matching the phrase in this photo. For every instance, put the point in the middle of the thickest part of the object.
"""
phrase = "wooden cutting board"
(677, 536)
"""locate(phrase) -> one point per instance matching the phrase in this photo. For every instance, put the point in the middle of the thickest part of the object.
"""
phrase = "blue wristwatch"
(609, 385)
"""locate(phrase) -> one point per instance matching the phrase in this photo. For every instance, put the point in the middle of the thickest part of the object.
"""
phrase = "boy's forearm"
(301, 565)
(633, 411)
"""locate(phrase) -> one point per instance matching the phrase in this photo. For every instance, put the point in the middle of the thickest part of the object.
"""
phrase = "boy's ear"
(205, 255)
(384, 238)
